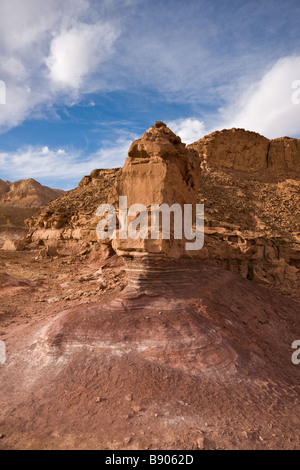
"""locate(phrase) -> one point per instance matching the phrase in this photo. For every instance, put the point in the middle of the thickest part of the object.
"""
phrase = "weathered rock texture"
(159, 170)
(12, 225)
(70, 221)
(213, 360)
(250, 187)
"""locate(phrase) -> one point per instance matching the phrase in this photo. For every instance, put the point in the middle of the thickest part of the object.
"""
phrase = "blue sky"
(85, 77)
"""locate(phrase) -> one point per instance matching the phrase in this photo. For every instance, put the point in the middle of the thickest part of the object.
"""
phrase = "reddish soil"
(88, 368)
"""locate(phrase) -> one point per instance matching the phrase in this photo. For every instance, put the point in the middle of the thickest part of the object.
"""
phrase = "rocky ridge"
(250, 188)
(238, 149)
(70, 221)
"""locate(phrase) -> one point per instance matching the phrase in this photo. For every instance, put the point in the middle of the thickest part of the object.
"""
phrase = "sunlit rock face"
(159, 170)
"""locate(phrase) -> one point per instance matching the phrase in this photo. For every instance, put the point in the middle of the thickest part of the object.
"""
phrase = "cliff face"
(284, 155)
(242, 150)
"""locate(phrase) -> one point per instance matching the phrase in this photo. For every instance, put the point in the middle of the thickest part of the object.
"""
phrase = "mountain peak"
(26, 193)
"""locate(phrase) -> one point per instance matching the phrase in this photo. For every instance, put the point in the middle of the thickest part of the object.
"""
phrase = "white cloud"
(26, 24)
(79, 51)
(68, 36)
(52, 52)
(60, 166)
(188, 129)
(270, 106)
(267, 107)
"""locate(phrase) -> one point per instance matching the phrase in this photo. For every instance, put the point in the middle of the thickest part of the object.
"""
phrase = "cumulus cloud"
(79, 51)
(268, 106)
(53, 52)
(45, 46)
(59, 165)
(189, 129)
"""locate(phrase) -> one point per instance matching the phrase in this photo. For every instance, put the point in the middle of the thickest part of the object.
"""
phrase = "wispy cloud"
(267, 105)
(60, 166)
(53, 53)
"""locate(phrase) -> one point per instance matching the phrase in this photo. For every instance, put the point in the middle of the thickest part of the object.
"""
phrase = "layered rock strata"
(159, 170)
(242, 150)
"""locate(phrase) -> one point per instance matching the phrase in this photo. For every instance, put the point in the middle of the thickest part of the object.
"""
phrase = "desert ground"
(211, 369)
(111, 347)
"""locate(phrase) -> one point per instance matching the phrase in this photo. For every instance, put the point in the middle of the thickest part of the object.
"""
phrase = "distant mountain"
(26, 193)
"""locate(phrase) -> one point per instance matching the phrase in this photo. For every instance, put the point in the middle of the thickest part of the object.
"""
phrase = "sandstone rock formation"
(250, 188)
(159, 170)
(12, 225)
(242, 150)
(4, 187)
(26, 193)
(189, 355)
(13, 245)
